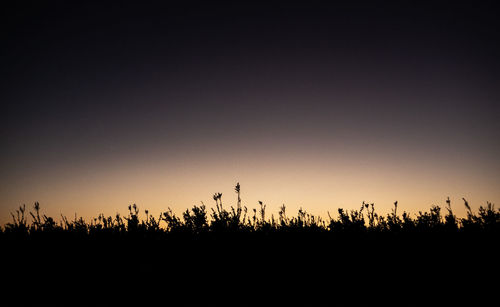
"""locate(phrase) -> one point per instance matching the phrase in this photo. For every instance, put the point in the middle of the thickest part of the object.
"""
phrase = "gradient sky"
(318, 105)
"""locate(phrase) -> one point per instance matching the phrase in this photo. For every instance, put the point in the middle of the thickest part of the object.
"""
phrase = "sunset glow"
(322, 108)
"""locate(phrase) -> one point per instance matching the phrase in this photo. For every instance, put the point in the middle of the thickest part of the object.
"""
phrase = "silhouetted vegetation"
(228, 254)
(198, 220)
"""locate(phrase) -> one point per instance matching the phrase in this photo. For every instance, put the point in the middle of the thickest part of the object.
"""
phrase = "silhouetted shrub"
(196, 221)
(224, 255)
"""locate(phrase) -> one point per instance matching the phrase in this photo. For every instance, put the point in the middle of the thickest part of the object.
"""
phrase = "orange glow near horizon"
(318, 181)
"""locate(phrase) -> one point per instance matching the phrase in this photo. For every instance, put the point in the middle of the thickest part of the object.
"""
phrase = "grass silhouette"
(236, 256)
(196, 221)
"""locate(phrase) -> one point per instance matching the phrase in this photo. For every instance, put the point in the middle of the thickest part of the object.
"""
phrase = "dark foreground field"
(234, 257)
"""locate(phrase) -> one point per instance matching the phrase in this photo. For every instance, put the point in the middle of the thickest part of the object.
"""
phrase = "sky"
(309, 104)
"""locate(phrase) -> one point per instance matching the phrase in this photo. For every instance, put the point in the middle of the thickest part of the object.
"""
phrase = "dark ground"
(253, 269)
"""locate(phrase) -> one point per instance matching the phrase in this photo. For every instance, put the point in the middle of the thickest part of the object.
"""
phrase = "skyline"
(317, 106)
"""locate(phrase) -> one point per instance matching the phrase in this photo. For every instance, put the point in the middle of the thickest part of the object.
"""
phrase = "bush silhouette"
(196, 221)
(236, 255)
